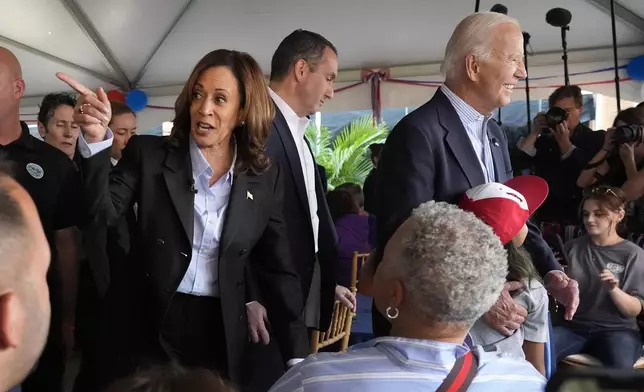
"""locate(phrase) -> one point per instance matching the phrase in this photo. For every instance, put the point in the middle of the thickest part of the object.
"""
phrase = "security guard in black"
(49, 177)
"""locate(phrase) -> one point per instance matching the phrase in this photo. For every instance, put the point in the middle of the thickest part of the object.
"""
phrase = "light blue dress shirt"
(392, 364)
(475, 125)
(210, 207)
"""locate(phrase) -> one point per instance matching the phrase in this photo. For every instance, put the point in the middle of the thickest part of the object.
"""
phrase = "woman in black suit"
(209, 236)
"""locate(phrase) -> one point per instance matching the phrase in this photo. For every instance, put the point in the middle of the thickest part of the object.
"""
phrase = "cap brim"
(533, 188)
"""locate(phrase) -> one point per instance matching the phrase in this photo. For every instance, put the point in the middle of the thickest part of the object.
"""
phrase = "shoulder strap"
(461, 375)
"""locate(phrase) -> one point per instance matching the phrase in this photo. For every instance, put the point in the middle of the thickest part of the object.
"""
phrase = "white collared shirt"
(475, 125)
(297, 125)
(211, 203)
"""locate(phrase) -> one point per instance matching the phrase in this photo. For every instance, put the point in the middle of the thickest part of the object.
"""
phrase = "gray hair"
(473, 35)
(452, 264)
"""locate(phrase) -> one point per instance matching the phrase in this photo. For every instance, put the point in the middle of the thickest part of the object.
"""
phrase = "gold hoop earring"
(389, 311)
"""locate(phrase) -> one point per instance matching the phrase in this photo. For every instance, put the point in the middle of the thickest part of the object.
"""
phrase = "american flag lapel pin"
(249, 195)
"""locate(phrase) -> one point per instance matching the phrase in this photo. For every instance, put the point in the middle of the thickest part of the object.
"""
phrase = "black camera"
(554, 116)
(629, 134)
(626, 134)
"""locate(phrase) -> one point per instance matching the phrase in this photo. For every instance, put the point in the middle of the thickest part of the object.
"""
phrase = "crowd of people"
(203, 260)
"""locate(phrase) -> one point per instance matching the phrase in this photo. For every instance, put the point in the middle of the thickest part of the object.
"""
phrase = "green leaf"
(346, 158)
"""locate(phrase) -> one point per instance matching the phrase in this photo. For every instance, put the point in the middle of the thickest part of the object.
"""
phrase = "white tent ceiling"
(153, 44)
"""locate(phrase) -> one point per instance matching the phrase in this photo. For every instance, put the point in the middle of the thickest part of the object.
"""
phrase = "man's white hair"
(473, 35)
(452, 265)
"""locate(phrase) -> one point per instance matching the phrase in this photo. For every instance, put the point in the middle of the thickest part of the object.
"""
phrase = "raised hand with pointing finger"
(92, 112)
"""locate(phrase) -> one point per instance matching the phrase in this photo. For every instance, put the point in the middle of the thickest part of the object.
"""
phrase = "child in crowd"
(506, 208)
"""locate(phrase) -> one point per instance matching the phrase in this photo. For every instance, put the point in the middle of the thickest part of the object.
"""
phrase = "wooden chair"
(340, 328)
(585, 360)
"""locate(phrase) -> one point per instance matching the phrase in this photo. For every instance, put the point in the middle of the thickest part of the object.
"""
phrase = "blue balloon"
(137, 100)
(635, 68)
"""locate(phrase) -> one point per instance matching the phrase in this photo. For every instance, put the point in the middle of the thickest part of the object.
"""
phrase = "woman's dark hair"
(520, 265)
(608, 198)
(631, 116)
(341, 203)
(255, 105)
(118, 109)
(172, 378)
(50, 103)
(355, 190)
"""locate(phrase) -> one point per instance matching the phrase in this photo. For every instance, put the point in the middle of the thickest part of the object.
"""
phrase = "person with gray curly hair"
(441, 270)
(447, 263)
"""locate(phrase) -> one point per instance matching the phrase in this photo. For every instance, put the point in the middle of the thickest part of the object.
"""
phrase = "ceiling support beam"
(622, 13)
(88, 27)
(140, 74)
(60, 61)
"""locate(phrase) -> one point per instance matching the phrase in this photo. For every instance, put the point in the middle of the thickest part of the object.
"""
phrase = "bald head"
(10, 61)
(12, 89)
(24, 295)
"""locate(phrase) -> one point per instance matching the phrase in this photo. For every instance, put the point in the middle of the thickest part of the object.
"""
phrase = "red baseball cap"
(506, 207)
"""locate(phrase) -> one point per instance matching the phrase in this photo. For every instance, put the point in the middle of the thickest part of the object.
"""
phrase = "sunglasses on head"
(599, 191)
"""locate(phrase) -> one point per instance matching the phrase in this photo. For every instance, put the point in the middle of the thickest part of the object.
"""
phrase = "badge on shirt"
(615, 268)
(35, 170)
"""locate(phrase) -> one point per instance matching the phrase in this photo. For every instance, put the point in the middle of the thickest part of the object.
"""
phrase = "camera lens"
(629, 134)
(556, 116)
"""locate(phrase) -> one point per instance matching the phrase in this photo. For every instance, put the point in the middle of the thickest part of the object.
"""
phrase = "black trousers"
(88, 313)
(193, 333)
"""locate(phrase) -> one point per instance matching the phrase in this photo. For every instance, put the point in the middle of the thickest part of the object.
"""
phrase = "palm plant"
(346, 157)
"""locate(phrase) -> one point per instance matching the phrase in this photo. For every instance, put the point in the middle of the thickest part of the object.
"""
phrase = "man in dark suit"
(303, 70)
(449, 145)
(107, 250)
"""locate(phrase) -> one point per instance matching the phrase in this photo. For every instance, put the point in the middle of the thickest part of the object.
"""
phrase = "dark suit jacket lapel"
(241, 211)
(324, 215)
(458, 141)
(288, 142)
(178, 177)
(495, 137)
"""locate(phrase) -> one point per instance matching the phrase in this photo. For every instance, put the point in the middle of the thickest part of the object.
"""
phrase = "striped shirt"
(475, 125)
(390, 364)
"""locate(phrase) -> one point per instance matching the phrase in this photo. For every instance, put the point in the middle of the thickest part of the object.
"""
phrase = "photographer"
(616, 162)
(561, 146)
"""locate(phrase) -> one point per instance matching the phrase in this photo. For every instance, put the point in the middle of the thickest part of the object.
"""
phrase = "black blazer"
(158, 176)
(107, 249)
(281, 148)
(428, 156)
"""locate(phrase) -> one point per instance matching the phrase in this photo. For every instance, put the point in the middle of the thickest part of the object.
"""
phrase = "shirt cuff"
(530, 150)
(89, 150)
(294, 361)
(251, 302)
(568, 153)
